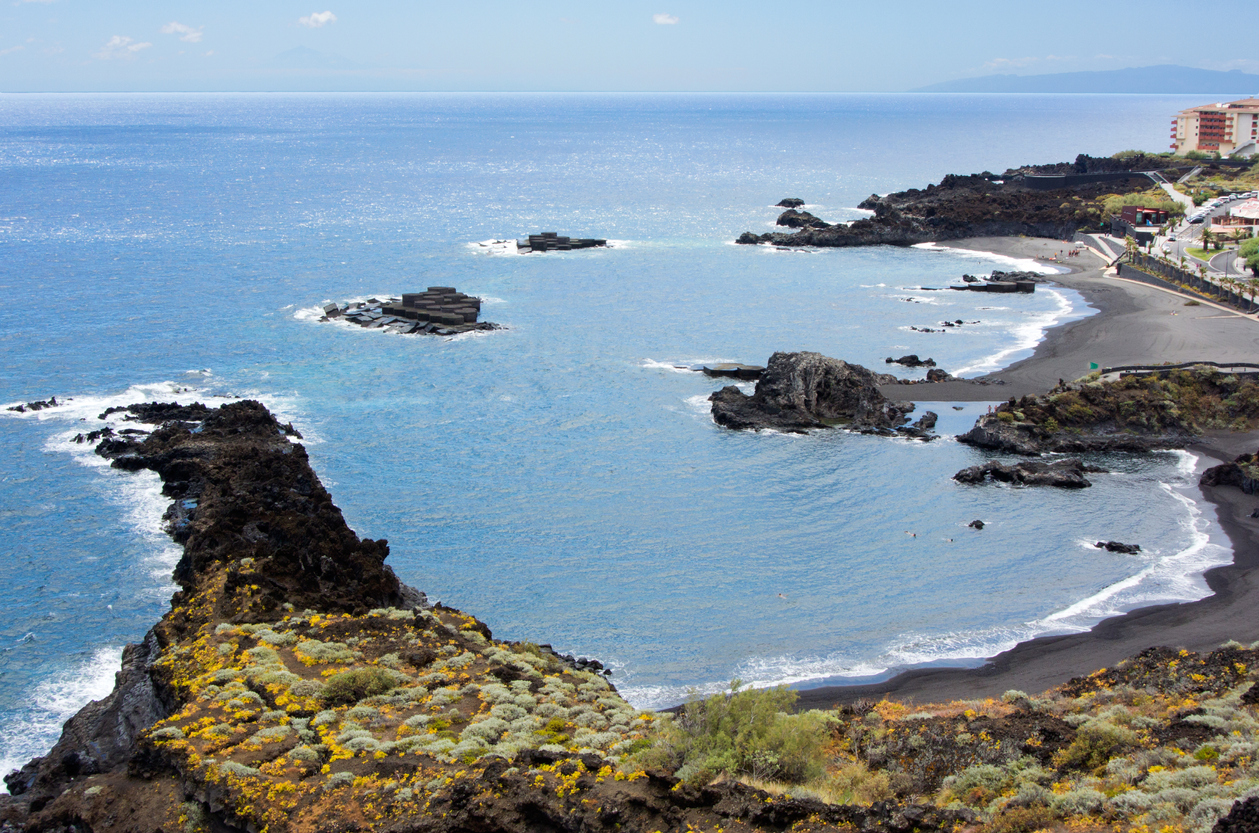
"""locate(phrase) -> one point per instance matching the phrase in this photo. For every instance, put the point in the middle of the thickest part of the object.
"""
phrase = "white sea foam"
(699, 404)
(682, 365)
(32, 729)
(1027, 334)
(1020, 264)
(495, 247)
(919, 299)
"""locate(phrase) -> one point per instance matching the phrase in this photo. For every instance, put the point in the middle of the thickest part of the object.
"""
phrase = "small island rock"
(799, 391)
(1065, 474)
(1115, 546)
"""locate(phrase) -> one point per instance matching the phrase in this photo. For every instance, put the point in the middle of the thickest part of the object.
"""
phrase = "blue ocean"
(559, 478)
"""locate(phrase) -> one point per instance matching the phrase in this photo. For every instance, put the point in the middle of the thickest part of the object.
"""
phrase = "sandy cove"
(1135, 324)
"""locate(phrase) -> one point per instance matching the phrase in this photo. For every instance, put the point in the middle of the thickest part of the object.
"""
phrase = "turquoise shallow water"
(559, 478)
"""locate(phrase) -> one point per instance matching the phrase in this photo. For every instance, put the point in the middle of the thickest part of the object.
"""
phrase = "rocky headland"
(1136, 412)
(801, 391)
(1064, 200)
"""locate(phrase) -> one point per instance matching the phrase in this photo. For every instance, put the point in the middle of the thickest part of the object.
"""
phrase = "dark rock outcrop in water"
(1065, 474)
(1119, 547)
(799, 391)
(37, 405)
(790, 202)
(911, 360)
(800, 219)
(983, 205)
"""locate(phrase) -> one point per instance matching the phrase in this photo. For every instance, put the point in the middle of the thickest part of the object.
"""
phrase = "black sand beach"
(1135, 324)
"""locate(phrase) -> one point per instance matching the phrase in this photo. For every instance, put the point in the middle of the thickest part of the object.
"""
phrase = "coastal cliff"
(980, 205)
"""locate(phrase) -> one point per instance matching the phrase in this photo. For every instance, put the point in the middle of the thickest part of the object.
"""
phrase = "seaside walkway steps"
(1183, 199)
(1189, 175)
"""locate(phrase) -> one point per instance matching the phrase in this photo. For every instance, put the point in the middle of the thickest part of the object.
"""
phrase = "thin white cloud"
(664, 19)
(1009, 63)
(317, 19)
(186, 33)
(18, 48)
(120, 46)
(37, 1)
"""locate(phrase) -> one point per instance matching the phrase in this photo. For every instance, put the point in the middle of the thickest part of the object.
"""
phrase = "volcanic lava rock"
(911, 360)
(37, 405)
(800, 219)
(982, 206)
(1243, 817)
(1241, 473)
(1116, 546)
(1065, 474)
(799, 391)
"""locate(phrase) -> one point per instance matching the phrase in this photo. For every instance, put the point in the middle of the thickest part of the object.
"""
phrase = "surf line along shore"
(1134, 324)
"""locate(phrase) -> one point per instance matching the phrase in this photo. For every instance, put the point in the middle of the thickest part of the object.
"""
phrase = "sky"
(559, 45)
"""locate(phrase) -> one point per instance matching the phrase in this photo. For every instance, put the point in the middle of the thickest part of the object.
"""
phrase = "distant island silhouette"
(1166, 79)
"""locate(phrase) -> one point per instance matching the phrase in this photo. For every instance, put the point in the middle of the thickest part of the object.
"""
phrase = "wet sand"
(1135, 324)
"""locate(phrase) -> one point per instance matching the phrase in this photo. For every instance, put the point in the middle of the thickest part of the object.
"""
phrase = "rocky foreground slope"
(297, 685)
(978, 205)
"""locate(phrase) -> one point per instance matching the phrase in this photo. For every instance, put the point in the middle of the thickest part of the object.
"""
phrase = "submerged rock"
(1065, 474)
(799, 391)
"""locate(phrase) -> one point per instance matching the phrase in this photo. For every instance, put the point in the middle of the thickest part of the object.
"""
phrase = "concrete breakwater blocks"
(439, 310)
(726, 370)
(999, 282)
(999, 286)
(549, 241)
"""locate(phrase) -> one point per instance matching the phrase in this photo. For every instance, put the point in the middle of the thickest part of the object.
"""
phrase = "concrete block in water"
(733, 370)
(331, 310)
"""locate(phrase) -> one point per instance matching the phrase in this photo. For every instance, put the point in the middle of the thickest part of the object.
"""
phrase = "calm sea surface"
(559, 479)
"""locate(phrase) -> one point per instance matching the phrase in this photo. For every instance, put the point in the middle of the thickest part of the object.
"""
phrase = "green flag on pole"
(1093, 365)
